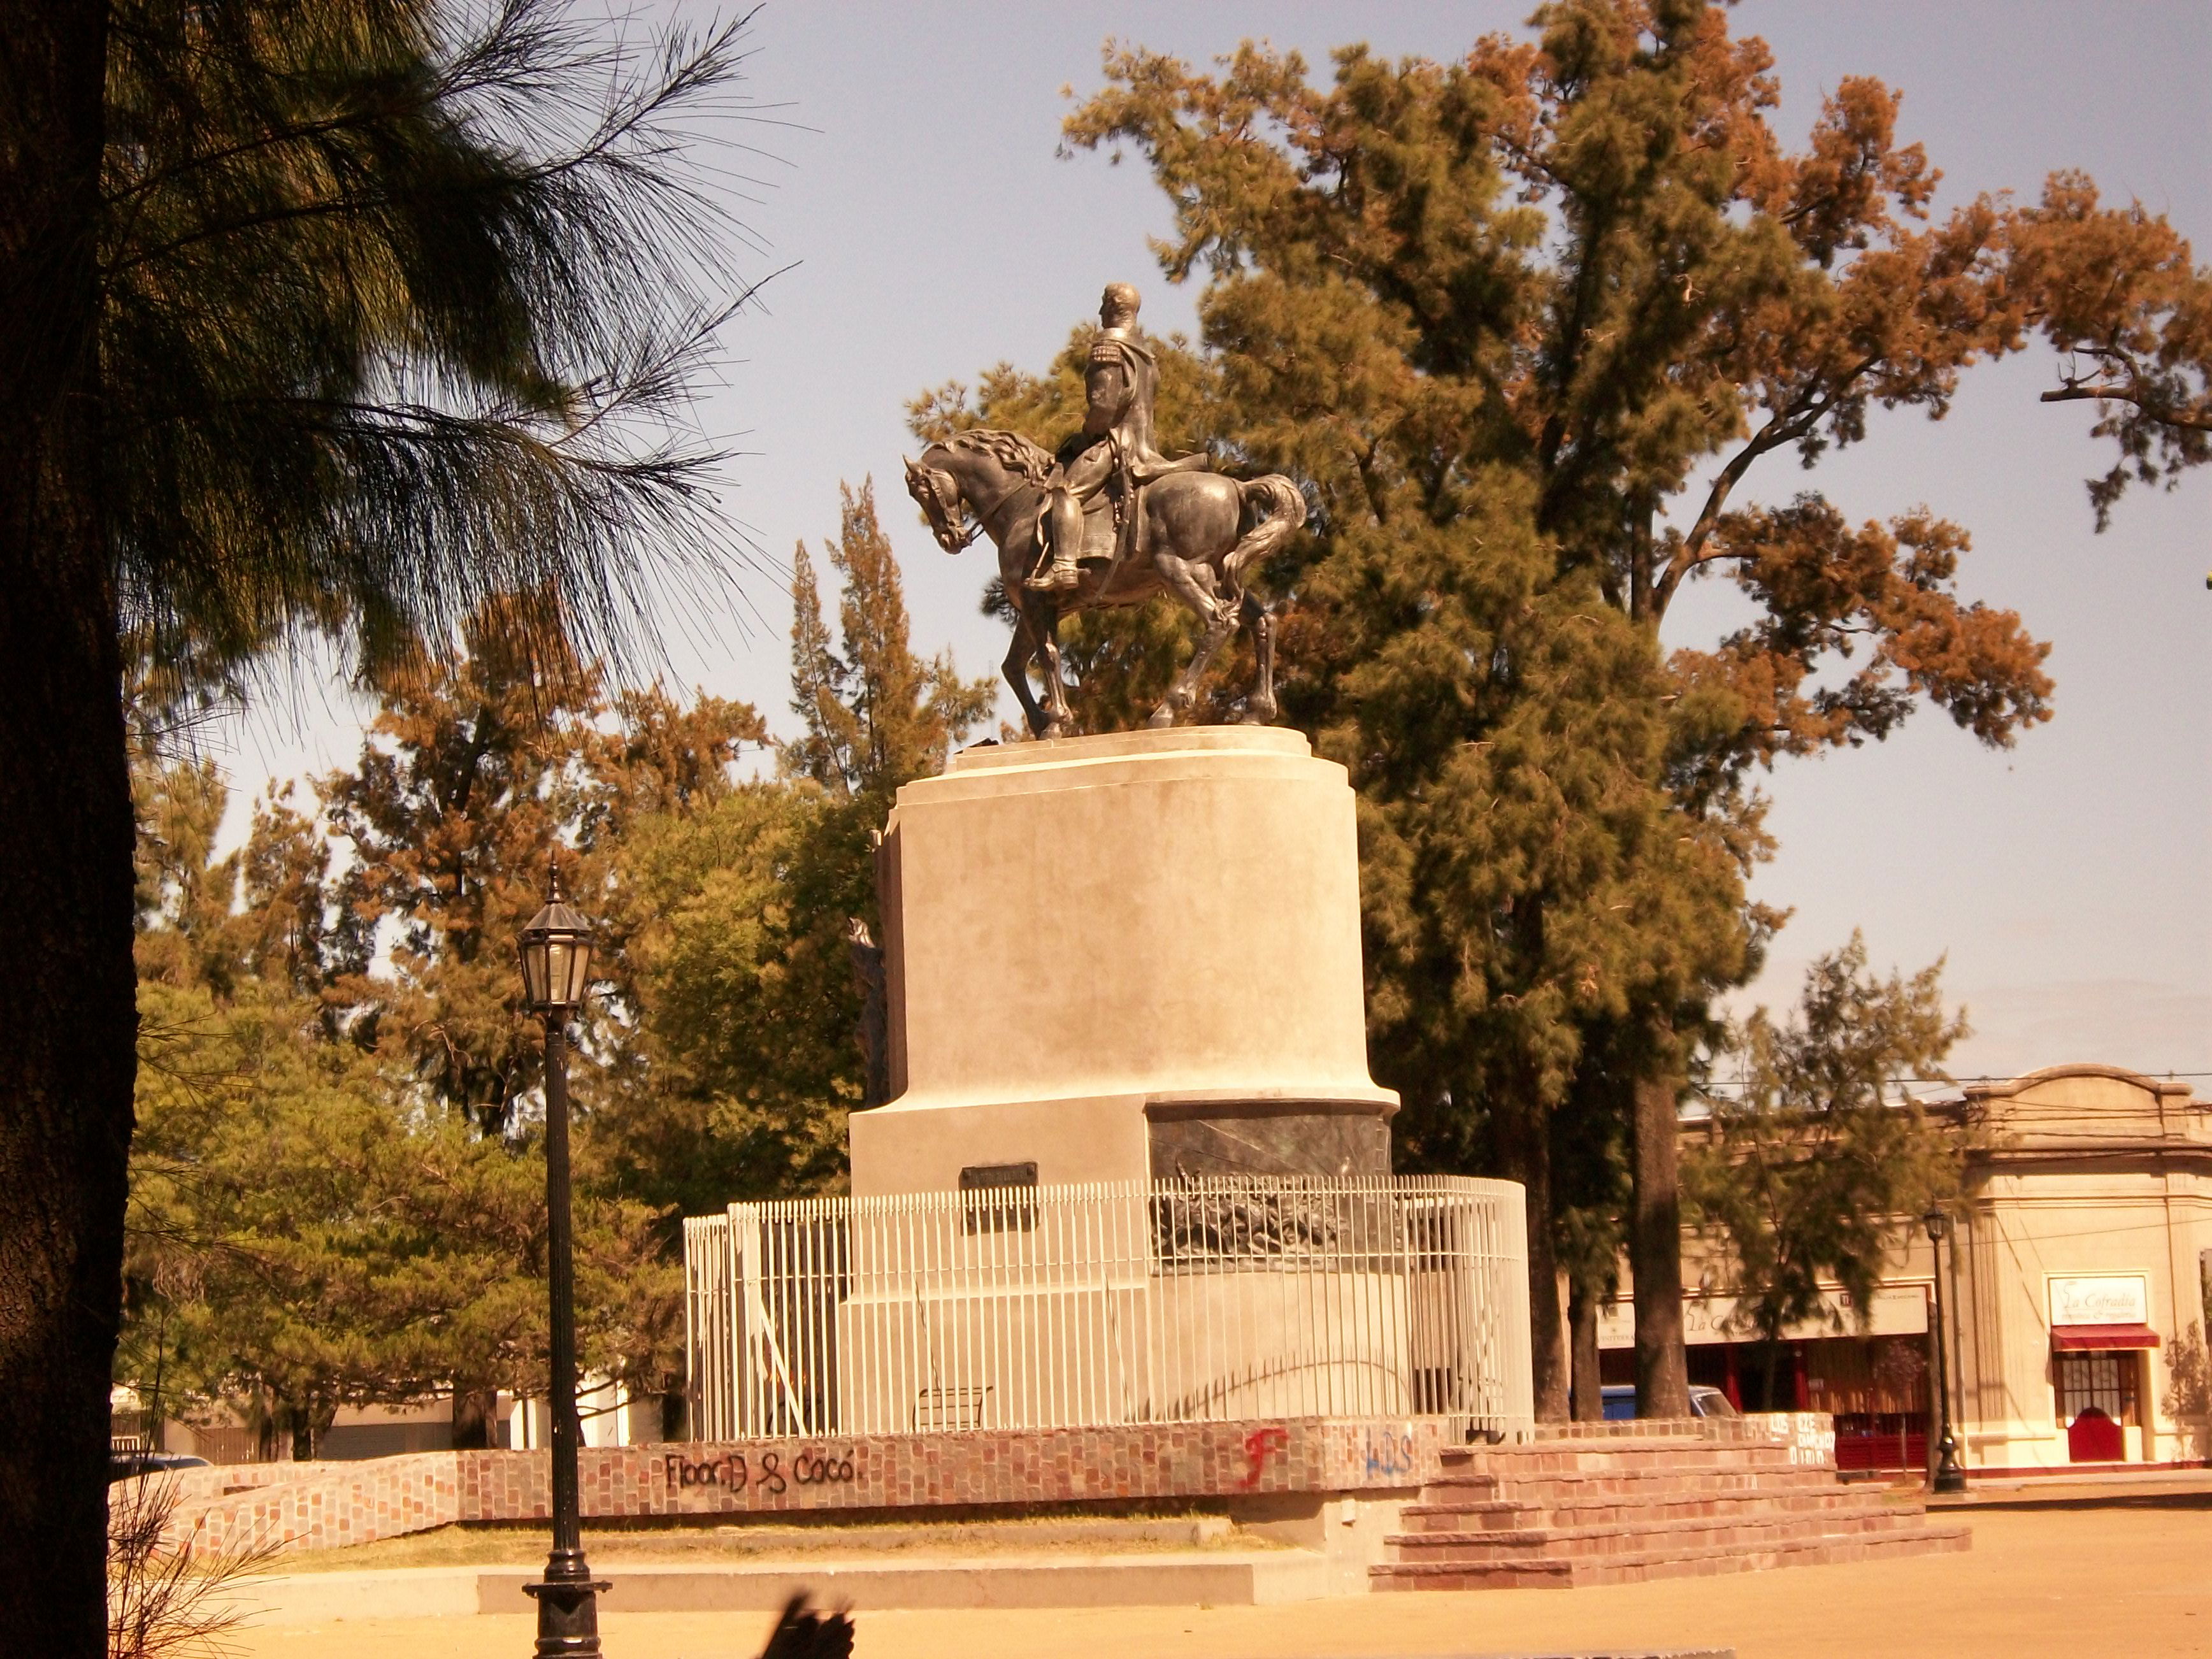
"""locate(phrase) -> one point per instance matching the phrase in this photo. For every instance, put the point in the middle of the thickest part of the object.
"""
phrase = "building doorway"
(2097, 1403)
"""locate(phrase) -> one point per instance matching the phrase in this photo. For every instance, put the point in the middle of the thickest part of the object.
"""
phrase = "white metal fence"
(1111, 1302)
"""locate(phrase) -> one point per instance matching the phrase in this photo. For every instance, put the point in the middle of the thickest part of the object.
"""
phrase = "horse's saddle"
(1107, 516)
(1105, 510)
(1100, 525)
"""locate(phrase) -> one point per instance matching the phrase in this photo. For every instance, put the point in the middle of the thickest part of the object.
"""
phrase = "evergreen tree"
(332, 316)
(2118, 295)
(478, 771)
(301, 1241)
(878, 716)
(1818, 1165)
(745, 1012)
(471, 781)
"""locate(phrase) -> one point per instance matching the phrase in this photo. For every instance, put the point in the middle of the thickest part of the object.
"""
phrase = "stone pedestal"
(1123, 957)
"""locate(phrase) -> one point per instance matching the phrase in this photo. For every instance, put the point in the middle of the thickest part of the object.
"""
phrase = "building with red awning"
(2076, 1301)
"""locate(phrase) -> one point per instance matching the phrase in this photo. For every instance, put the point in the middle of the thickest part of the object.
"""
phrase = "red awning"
(2075, 1337)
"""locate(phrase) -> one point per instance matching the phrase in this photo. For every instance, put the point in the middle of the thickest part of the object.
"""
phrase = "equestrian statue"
(1109, 521)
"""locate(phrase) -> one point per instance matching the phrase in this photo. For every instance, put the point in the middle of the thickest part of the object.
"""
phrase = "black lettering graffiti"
(728, 1471)
(819, 1469)
(773, 1474)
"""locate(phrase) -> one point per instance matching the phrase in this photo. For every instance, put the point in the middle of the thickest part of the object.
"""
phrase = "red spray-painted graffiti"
(1257, 1446)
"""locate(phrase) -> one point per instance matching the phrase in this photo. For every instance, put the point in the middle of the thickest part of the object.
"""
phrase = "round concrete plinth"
(1093, 945)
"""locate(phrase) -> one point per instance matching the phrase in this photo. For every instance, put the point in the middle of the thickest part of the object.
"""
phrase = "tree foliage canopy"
(403, 308)
(1531, 328)
(307, 1230)
(1589, 259)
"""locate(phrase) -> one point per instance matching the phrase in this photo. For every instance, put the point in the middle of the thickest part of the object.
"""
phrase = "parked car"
(1704, 1401)
(122, 1466)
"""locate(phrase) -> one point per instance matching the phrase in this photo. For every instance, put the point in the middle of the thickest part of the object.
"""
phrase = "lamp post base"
(567, 1608)
(1949, 1477)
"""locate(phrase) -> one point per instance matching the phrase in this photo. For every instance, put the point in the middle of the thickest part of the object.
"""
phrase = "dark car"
(122, 1466)
(1704, 1401)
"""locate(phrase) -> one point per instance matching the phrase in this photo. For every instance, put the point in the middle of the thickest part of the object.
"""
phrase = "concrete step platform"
(1638, 1461)
(1623, 1454)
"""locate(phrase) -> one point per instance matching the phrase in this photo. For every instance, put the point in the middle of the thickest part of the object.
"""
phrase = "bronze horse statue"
(1191, 541)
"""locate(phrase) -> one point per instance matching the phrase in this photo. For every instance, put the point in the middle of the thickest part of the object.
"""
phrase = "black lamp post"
(1949, 1477)
(556, 967)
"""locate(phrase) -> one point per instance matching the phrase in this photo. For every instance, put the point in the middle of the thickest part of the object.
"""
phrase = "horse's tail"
(1282, 511)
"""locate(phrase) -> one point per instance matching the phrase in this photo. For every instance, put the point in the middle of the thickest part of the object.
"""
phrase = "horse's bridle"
(980, 514)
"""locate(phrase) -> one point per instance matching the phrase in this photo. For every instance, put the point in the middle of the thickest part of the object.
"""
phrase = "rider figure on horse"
(1113, 452)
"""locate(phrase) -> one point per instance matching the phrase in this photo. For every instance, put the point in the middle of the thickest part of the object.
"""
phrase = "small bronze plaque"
(997, 1174)
(989, 1203)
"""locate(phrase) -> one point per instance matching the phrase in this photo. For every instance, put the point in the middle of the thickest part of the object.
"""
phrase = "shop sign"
(2100, 1299)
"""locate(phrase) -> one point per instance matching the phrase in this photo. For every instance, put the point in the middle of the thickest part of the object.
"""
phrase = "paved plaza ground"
(2132, 1578)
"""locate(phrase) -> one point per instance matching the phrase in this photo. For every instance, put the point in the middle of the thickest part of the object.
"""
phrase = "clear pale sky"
(2067, 880)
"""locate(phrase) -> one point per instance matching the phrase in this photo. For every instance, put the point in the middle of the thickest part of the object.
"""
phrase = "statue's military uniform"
(1113, 451)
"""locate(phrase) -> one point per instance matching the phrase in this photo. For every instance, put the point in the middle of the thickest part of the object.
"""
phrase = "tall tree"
(1819, 1166)
(1586, 263)
(478, 771)
(876, 716)
(471, 781)
(65, 871)
(302, 1239)
(313, 316)
(748, 1012)
(746, 1022)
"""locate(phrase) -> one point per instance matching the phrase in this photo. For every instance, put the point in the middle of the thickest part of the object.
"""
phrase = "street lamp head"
(1938, 1223)
(557, 954)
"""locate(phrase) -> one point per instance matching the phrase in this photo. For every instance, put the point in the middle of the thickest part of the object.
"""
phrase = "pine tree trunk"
(1586, 1388)
(1663, 1376)
(1524, 1155)
(67, 1056)
(675, 1415)
(476, 1418)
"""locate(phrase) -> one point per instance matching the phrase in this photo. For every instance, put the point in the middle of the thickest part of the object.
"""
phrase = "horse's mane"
(1010, 449)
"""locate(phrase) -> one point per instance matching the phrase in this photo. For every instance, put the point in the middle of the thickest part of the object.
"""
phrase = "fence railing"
(1111, 1302)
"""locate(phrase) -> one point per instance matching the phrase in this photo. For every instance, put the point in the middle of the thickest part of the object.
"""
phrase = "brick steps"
(1567, 1490)
(1600, 1508)
(1450, 1510)
(1693, 1532)
(1611, 1518)
(1635, 1566)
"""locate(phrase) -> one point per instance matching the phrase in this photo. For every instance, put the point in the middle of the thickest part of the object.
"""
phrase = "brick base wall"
(323, 1506)
(328, 1506)
(979, 1469)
